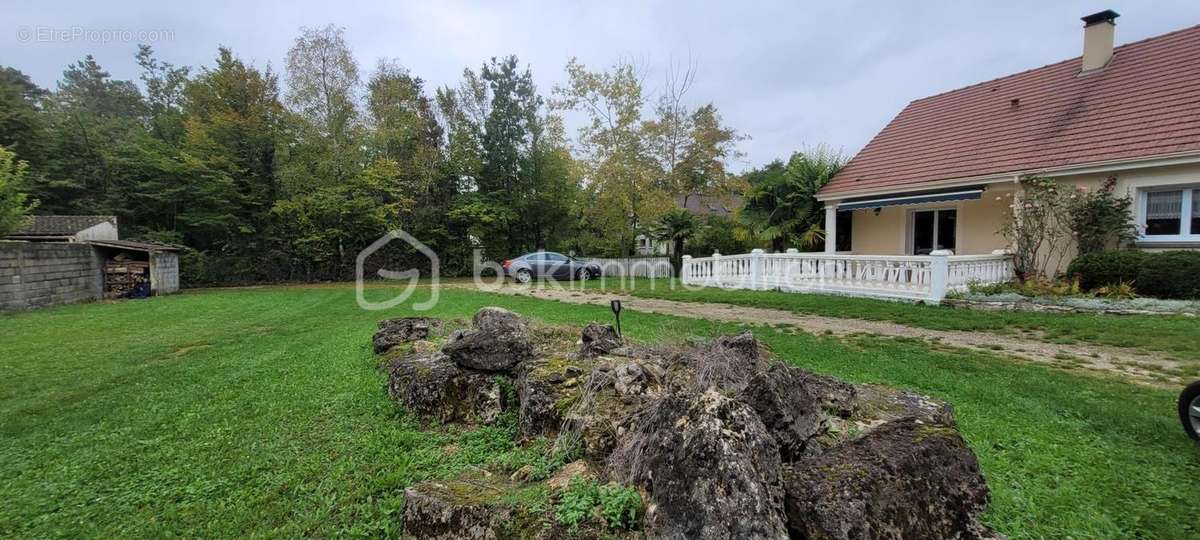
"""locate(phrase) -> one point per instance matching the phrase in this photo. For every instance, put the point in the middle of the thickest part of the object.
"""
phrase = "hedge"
(1165, 274)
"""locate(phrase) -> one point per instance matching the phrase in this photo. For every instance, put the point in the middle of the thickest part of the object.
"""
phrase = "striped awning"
(958, 194)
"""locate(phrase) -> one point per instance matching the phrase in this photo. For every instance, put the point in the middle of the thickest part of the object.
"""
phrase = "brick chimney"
(1098, 32)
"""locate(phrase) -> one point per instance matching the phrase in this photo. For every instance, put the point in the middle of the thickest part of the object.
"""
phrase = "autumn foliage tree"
(262, 177)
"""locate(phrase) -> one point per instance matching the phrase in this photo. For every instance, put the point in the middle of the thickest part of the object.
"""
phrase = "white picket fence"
(645, 267)
(916, 277)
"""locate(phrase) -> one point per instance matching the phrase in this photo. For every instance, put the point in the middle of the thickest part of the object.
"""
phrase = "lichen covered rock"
(721, 439)
(546, 388)
(789, 412)
(453, 510)
(709, 466)
(904, 479)
(598, 339)
(393, 332)
(432, 386)
(497, 341)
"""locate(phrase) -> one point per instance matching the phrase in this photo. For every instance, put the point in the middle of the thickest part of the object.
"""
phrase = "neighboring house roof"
(60, 226)
(148, 247)
(1144, 103)
(710, 205)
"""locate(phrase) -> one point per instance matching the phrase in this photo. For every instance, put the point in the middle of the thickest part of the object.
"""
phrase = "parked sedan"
(549, 265)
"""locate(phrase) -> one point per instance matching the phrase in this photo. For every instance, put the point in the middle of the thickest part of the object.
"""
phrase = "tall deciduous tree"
(14, 204)
(233, 124)
(90, 117)
(405, 130)
(621, 170)
(323, 83)
(21, 124)
(164, 84)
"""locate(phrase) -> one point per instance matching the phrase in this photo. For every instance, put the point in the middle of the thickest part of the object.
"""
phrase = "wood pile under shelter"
(126, 278)
(138, 269)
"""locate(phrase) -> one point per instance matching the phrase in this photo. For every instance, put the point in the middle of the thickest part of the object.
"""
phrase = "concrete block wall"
(36, 274)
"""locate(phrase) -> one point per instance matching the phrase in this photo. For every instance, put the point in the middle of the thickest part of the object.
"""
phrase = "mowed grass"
(259, 412)
(1177, 335)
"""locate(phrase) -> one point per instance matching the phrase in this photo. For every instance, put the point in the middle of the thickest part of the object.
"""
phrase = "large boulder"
(709, 466)
(497, 341)
(598, 339)
(393, 332)
(433, 386)
(454, 510)
(904, 479)
(791, 414)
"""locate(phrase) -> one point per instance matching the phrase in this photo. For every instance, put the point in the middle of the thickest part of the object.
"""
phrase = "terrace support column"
(939, 274)
(831, 228)
(715, 276)
(756, 269)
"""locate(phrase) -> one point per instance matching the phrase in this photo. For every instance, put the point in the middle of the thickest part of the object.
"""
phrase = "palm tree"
(677, 226)
(781, 204)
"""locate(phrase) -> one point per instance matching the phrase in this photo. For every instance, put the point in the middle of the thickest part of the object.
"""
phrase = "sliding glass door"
(933, 229)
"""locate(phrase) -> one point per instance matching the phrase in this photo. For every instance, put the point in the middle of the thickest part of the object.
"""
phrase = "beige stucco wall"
(1132, 182)
(881, 234)
(978, 225)
(979, 221)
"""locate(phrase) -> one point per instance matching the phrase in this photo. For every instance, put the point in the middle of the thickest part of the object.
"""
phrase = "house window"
(1172, 214)
(1195, 211)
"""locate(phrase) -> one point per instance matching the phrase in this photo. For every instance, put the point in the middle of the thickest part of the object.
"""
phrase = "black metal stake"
(616, 309)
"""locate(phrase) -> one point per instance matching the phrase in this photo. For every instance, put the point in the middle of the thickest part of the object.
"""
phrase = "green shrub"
(1168, 274)
(575, 505)
(620, 506)
(1106, 267)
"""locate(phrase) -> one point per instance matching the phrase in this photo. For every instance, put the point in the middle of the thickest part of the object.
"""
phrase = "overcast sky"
(787, 73)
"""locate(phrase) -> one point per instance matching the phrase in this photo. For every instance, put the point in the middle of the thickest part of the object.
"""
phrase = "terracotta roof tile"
(1146, 102)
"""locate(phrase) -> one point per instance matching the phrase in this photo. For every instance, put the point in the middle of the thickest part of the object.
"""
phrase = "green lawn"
(1176, 335)
(259, 412)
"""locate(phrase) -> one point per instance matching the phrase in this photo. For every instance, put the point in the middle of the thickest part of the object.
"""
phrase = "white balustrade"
(918, 277)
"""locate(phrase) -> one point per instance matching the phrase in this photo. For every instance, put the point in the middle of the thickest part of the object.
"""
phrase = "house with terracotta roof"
(943, 173)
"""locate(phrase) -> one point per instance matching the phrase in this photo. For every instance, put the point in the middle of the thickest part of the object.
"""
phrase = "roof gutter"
(1164, 160)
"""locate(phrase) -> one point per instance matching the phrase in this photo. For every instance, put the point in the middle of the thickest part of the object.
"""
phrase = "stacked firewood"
(122, 276)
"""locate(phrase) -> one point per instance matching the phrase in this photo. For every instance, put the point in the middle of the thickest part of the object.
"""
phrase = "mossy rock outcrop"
(393, 332)
(720, 438)
(434, 387)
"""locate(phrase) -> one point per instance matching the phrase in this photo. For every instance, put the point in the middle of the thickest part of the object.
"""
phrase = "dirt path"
(1145, 367)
